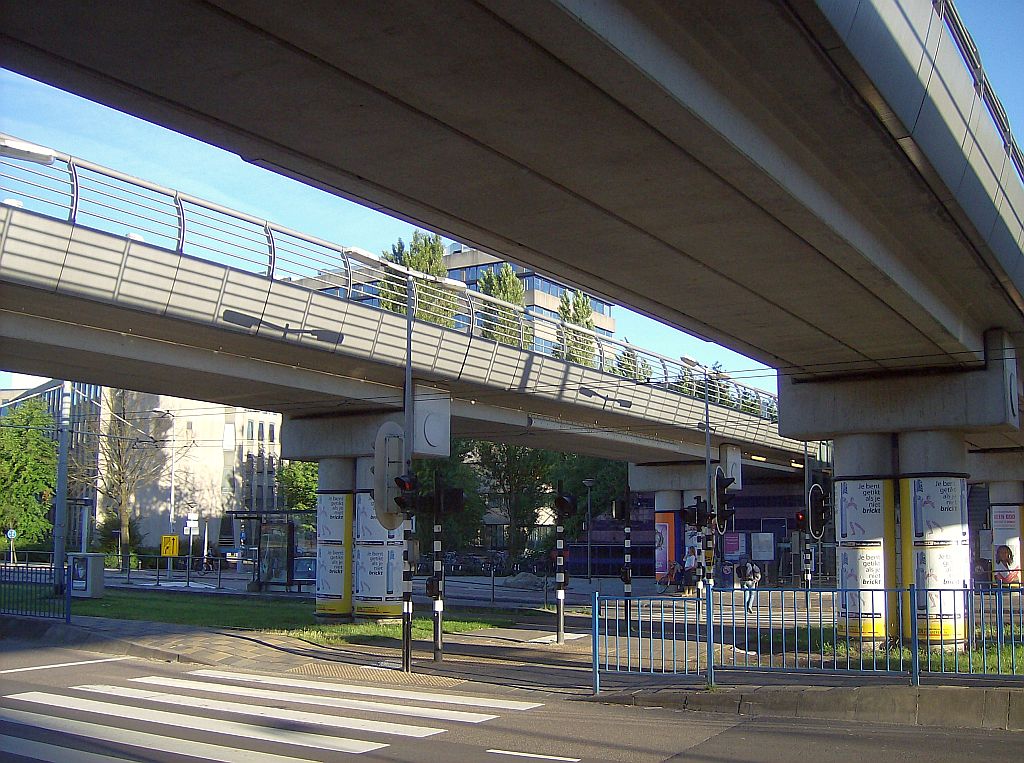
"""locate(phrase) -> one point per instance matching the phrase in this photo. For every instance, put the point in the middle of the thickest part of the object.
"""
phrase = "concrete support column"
(1006, 507)
(864, 501)
(934, 541)
(335, 503)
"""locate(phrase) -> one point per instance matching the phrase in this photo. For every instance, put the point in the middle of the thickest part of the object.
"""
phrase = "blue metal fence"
(35, 591)
(906, 631)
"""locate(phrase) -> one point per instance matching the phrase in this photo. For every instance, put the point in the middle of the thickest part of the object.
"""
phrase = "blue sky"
(44, 115)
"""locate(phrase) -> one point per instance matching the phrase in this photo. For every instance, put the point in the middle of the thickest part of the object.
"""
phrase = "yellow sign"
(168, 545)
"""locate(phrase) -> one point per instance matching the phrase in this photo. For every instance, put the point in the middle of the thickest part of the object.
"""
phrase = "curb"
(965, 707)
(59, 633)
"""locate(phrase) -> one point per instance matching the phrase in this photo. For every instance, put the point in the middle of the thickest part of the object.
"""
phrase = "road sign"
(12, 534)
(191, 530)
(168, 545)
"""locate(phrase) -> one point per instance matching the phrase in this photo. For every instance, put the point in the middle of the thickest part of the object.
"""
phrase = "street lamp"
(589, 482)
(619, 401)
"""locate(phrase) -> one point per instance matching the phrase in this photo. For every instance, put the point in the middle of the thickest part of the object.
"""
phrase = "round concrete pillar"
(934, 535)
(927, 452)
(863, 454)
(335, 504)
(668, 500)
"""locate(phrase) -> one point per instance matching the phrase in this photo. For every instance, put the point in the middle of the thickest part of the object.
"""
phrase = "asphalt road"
(78, 707)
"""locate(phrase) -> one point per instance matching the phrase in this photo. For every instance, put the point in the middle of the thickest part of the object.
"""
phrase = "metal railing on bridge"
(915, 632)
(103, 199)
(35, 591)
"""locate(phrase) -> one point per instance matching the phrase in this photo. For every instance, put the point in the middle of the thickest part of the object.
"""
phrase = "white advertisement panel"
(939, 509)
(330, 517)
(330, 571)
(377, 574)
(862, 570)
(661, 548)
(860, 507)
(1006, 544)
(367, 528)
(941, 574)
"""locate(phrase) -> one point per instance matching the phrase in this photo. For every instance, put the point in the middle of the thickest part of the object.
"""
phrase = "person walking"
(749, 575)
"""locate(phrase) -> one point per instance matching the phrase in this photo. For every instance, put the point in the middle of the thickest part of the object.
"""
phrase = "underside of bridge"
(725, 167)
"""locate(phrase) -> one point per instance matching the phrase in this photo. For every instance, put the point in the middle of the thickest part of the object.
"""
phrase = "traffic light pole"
(408, 403)
(406, 597)
(438, 575)
(560, 580)
(627, 585)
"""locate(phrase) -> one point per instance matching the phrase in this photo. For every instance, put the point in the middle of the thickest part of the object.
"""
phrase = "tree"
(28, 470)
(522, 476)
(499, 322)
(610, 483)
(631, 366)
(130, 456)
(459, 530)
(298, 482)
(575, 309)
(425, 254)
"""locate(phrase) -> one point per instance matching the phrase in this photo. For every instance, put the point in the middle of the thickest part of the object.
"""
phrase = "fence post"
(915, 647)
(593, 643)
(999, 627)
(709, 635)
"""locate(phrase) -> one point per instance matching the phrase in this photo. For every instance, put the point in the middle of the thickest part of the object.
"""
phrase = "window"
(272, 432)
(248, 429)
(262, 438)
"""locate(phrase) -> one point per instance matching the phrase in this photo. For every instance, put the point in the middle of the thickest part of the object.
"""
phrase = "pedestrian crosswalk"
(232, 717)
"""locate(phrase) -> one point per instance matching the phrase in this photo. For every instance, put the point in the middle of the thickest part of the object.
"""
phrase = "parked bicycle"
(206, 564)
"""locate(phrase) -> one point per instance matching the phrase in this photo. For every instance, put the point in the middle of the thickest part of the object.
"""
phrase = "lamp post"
(589, 482)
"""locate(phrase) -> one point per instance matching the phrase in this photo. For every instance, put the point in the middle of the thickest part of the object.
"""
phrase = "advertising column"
(333, 544)
(377, 574)
(1006, 532)
(865, 554)
(936, 553)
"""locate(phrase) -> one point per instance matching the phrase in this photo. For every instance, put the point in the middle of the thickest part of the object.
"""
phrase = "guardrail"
(968, 632)
(113, 202)
(35, 591)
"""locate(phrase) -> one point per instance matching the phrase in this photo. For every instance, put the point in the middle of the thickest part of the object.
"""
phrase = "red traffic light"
(407, 483)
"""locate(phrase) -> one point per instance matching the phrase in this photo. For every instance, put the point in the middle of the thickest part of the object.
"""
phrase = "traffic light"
(702, 513)
(801, 521)
(408, 485)
(626, 574)
(818, 511)
(433, 585)
(620, 510)
(565, 506)
(690, 515)
(388, 464)
(722, 506)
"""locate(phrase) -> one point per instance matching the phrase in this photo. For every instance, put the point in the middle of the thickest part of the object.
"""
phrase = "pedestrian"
(749, 575)
(690, 567)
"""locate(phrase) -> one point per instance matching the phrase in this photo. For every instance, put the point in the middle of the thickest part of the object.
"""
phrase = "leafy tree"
(500, 323)
(460, 530)
(130, 456)
(630, 365)
(28, 470)
(425, 254)
(575, 309)
(610, 483)
(298, 484)
(523, 476)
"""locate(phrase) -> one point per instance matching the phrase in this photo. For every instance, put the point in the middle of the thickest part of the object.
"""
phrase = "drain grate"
(383, 673)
